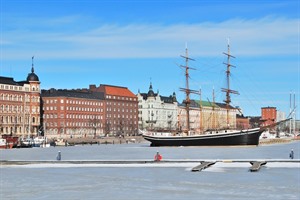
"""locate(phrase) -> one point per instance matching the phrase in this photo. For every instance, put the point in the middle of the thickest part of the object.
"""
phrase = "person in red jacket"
(157, 157)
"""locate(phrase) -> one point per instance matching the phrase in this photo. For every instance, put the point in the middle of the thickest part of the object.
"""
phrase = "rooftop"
(72, 93)
(10, 81)
(117, 91)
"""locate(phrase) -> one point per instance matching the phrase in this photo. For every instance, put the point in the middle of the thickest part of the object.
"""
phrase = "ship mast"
(213, 111)
(201, 113)
(187, 89)
(227, 90)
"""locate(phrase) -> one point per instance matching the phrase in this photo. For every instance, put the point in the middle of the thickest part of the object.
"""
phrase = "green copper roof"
(206, 103)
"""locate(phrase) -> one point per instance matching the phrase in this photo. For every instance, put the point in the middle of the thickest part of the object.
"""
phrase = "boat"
(216, 138)
(25, 143)
(5, 145)
(11, 139)
(225, 137)
(39, 142)
(61, 142)
(45, 145)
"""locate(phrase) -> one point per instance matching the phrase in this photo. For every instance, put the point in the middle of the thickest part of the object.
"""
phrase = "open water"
(150, 181)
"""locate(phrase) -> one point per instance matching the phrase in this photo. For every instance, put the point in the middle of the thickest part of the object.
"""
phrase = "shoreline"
(277, 140)
(103, 140)
(140, 139)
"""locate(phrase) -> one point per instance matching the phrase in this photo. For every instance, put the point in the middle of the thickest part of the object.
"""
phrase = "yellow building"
(206, 116)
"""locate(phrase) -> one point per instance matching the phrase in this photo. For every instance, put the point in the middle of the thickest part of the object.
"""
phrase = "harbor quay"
(277, 140)
(97, 141)
(140, 139)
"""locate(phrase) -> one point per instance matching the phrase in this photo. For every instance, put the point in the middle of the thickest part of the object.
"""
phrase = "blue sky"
(128, 43)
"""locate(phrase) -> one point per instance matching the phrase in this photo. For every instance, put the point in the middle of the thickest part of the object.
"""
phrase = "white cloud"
(256, 37)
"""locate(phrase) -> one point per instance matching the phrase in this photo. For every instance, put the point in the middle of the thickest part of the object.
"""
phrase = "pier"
(202, 166)
(254, 164)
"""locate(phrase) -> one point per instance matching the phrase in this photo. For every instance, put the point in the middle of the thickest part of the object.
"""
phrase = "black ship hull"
(230, 138)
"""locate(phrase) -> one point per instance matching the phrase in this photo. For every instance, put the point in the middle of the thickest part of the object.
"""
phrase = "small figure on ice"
(157, 157)
(58, 157)
(292, 154)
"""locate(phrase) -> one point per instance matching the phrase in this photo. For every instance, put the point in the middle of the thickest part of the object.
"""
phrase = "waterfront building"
(157, 112)
(93, 112)
(72, 113)
(20, 105)
(242, 122)
(205, 115)
(120, 109)
(194, 112)
(255, 121)
(280, 116)
(222, 116)
(268, 115)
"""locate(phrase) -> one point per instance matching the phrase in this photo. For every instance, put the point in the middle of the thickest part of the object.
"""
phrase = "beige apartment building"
(20, 105)
(206, 116)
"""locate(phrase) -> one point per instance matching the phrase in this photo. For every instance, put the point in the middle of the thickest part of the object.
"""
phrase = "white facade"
(280, 116)
(157, 112)
(163, 113)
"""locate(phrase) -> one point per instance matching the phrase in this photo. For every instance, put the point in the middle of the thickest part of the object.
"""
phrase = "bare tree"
(94, 124)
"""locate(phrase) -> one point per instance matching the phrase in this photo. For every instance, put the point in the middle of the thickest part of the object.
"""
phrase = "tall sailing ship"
(224, 137)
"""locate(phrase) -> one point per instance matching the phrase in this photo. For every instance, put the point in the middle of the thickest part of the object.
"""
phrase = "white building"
(280, 116)
(164, 113)
(157, 112)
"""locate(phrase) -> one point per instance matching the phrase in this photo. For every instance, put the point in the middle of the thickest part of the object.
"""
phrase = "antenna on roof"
(32, 70)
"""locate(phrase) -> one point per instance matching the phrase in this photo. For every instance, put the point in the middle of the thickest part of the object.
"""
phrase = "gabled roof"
(165, 99)
(206, 103)
(117, 91)
(223, 105)
(196, 103)
(145, 95)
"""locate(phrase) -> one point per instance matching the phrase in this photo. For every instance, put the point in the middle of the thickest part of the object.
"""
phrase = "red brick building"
(268, 115)
(68, 113)
(120, 109)
(103, 110)
(20, 105)
(242, 122)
